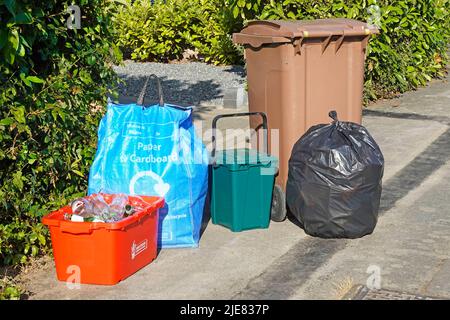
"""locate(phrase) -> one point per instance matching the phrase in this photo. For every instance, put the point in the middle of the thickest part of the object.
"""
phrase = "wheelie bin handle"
(241, 114)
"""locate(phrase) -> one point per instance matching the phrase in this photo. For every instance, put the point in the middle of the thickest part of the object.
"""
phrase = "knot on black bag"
(333, 115)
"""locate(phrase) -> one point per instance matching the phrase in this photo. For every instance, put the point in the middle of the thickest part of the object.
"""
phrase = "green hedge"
(53, 86)
(409, 52)
(165, 30)
(9, 290)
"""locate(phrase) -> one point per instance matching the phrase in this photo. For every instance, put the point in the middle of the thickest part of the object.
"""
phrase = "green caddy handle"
(232, 115)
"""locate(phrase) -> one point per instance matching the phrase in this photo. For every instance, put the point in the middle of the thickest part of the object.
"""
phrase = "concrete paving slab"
(409, 249)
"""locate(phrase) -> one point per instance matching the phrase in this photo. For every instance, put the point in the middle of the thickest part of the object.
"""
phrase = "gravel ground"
(185, 84)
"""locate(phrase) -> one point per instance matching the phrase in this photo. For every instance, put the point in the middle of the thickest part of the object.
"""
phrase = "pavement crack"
(424, 289)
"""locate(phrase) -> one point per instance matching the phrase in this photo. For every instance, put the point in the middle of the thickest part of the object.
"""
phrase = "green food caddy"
(242, 183)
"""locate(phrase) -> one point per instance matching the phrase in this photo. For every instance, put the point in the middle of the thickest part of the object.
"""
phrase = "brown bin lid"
(273, 31)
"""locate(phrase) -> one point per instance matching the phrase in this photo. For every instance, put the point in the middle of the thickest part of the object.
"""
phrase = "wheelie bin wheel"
(278, 212)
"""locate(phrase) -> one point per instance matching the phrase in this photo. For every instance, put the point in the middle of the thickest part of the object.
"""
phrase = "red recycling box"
(104, 253)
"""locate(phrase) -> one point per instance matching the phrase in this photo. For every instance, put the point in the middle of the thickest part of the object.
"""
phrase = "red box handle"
(76, 227)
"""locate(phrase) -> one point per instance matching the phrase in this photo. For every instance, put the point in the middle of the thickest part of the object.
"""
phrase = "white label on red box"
(137, 249)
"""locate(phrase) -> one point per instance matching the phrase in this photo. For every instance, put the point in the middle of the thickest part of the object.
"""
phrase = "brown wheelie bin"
(297, 71)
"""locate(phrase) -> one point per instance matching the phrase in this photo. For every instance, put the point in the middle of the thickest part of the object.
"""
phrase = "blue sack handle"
(141, 97)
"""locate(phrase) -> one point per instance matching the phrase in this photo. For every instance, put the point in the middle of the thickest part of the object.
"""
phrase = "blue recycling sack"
(154, 151)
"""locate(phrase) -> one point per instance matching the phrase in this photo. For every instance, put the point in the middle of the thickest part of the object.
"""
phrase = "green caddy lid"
(242, 159)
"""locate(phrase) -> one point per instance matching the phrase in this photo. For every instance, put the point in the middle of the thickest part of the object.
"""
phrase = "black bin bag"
(334, 181)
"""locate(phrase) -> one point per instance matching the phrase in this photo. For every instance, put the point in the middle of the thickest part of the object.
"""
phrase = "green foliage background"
(162, 31)
(53, 88)
(9, 290)
(410, 50)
